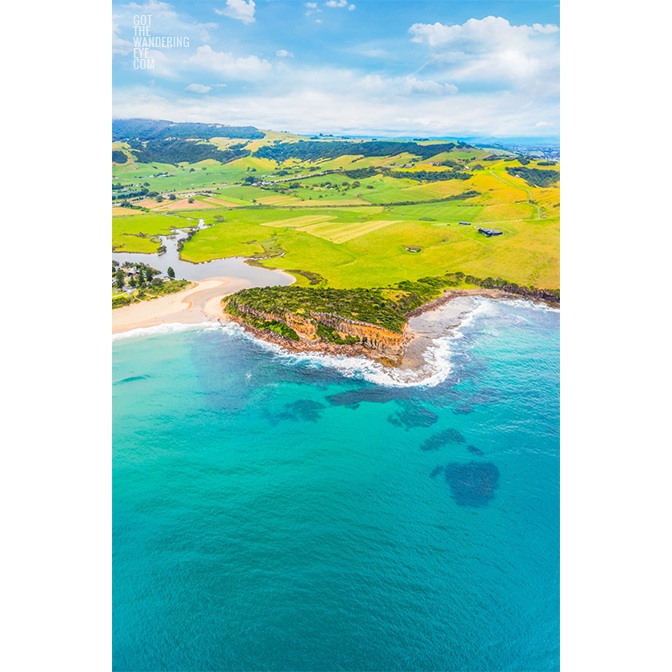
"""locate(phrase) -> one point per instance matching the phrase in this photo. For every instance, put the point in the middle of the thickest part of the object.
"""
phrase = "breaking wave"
(167, 328)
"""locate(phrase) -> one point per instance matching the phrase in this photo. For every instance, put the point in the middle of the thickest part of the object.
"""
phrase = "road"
(529, 193)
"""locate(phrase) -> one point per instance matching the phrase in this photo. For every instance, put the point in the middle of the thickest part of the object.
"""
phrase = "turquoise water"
(273, 513)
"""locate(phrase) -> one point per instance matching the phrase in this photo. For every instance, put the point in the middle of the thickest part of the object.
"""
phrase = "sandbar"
(197, 303)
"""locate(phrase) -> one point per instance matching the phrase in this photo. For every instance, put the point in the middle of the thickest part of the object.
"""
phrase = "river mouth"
(217, 268)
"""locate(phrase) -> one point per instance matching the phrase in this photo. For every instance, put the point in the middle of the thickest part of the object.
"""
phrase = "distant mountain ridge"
(150, 129)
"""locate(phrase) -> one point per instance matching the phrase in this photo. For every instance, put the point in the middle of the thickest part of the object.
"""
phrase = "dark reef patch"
(413, 415)
(472, 484)
(131, 379)
(442, 438)
(474, 450)
(463, 409)
(436, 471)
(375, 395)
(305, 410)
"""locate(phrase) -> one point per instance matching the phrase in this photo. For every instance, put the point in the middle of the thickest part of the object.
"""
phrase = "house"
(464, 223)
(490, 232)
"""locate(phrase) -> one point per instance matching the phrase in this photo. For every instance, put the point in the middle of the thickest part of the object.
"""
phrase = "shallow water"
(281, 512)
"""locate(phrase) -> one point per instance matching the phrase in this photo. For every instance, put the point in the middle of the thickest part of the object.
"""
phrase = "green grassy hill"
(367, 232)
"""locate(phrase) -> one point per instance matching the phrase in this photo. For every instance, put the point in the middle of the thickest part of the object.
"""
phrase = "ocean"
(274, 511)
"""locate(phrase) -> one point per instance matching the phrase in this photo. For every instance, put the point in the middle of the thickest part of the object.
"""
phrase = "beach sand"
(198, 303)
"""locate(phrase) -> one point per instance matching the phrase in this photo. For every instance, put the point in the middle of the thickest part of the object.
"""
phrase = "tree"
(190, 200)
(171, 197)
(133, 282)
(159, 199)
(121, 279)
(171, 273)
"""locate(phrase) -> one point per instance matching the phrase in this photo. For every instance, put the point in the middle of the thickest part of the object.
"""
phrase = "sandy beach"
(198, 303)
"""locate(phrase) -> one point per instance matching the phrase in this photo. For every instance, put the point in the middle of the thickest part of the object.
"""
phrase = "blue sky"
(390, 67)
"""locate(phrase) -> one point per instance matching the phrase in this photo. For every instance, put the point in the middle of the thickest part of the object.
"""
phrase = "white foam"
(531, 304)
(167, 328)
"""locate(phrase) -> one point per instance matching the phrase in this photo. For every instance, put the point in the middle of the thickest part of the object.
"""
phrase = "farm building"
(465, 223)
(490, 232)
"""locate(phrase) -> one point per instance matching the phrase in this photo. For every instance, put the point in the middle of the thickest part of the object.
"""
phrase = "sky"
(367, 67)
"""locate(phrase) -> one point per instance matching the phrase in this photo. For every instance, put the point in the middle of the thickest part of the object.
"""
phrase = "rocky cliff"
(319, 330)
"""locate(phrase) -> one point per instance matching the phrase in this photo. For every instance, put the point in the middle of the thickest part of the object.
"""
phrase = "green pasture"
(526, 253)
(357, 246)
(133, 233)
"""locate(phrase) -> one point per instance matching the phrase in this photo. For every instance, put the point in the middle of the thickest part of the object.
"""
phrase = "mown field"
(352, 233)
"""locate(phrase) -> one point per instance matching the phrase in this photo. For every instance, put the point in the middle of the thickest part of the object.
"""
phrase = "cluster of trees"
(388, 307)
(276, 326)
(360, 173)
(385, 307)
(314, 150)
(450, 163)
(119, 157)
(176, 151)
(149, 129)
(429, 176)
(130, 194)
(529, 291)
(546, 163)
(145, 274)
(535, 176)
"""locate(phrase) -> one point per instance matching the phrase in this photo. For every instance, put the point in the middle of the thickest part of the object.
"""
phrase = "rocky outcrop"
(369, 339)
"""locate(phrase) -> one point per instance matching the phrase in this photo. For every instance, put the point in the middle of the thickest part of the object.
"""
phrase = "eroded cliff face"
(376, 337)
(383, 343)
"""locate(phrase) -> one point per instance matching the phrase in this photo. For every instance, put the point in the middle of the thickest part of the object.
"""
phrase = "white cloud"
(373, 82)
(312, 8)
(484, 33)
(493, 50)
(376, 53)
(203, 30)
(541, 124)
(348, 109)
(351, 7)
(336, 3)
(119, 45)
(413, 85)
(403, 86)
(155, 8)
(250, 67)
(239, 9)
(198, 88)
(283, 53)
(548, 28)
(318, 20)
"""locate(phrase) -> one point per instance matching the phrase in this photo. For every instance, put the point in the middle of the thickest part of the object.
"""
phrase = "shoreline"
(190, 306)
(202, 302)
(415, 341)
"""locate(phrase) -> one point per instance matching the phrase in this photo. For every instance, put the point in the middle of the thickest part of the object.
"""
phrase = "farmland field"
(349, 229)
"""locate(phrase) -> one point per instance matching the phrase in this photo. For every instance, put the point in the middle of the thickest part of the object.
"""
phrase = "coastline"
(418, 332)
(202, 302)
(190, 306)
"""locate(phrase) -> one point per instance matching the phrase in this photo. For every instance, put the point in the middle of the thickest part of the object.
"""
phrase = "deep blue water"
(277, 514)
